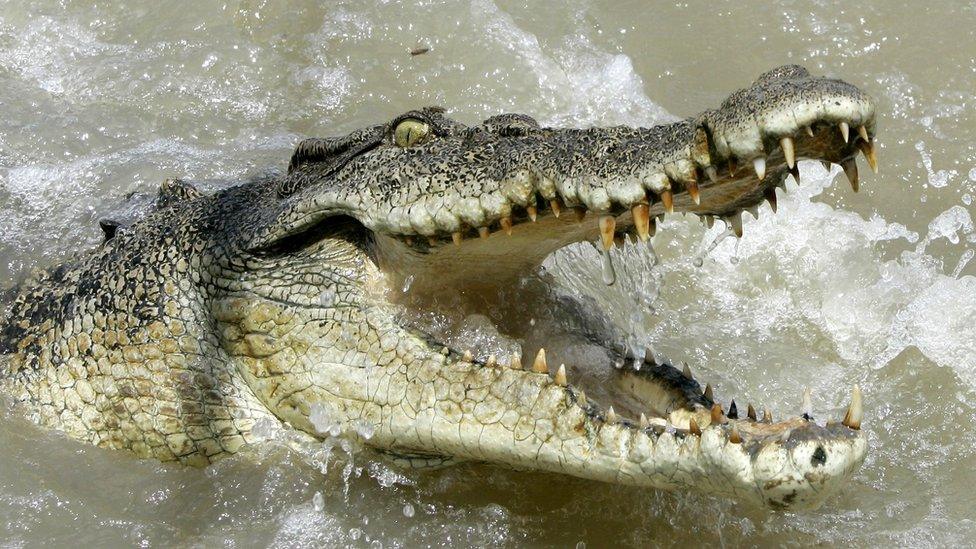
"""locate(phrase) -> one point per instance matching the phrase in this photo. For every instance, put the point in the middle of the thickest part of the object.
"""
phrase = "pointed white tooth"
(735, 220)
(759, 164)
(809, 131)
(642, 221)
(687, 371)
(863, 132)
(845, 132)
(467, 356)
(561, 376)
(807, 407)
(850, 170)
(855, 412)
(608, 225)
(539, 365)
(515, 362)
(611, 416)
(644, 424)
(788, 152)
(491, 362)
(712, 174)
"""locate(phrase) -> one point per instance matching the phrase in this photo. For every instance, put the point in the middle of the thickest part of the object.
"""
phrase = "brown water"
(874, 288)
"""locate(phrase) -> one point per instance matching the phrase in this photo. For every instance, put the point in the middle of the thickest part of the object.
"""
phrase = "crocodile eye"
(410, 132)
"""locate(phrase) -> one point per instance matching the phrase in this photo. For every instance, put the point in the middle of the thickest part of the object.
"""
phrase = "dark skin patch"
(819, 457)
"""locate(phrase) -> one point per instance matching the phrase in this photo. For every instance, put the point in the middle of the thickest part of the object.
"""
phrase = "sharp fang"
(432, 241)
(788, 152)
(668, 199)
(733, 411)
(539, 365)
(845, 132)
(795, 172)
(850, 170)
(717, 415)
(693, 427)
(734, 437)
(767, 416)
(506, 223)
(611, 416)
(826, 164)
(771, 198)
(456, 237)
(759, 164)
(408, 240)
(863, 132)
(693, 192)
(736, 221)
(867, 148)
(607, 227)
(855, 412)
(751, 412)
(709, 221)
(491, 362)
(533, 212)
(556, 208)
(516, 362)
(807, 406)
(467, 356)
(561, 376)
(733, 167)
(642, 220)
(483, 232)
(708, 392)
(579, 212)
(712, 174)
(687, 371)
(809, 130)
(644, 424)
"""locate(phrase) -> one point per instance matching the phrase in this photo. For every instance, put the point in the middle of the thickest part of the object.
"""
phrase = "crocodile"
(290, 295)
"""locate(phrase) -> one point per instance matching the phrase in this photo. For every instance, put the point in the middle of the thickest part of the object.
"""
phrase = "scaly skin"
(183, 330)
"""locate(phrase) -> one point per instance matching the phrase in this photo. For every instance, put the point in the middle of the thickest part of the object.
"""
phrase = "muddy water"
(873, 288)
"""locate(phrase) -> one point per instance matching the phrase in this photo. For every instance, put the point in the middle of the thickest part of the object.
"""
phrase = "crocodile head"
(461, 212)
(284, 297)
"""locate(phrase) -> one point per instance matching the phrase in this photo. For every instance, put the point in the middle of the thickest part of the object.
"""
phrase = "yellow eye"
(410, 132)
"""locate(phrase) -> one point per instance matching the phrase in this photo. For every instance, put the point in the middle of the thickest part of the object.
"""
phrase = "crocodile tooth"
(456, 237)
(642, 220)
(788, 152)
(863, 132)
(668, 199)
(408, 240)
(483, 232)
(709, 221)
(607, 226)
(767, 416)
(771, 198)
(467, 356)
(708, 392)
(644, 424)
(845, 132)
(751, 412)
(649, 357)
(687, 371)
(867, 147)
(759, 164)
(733, 411)
(712, 174)
(826, 164)
(733, 166)
(533, 212)
(491, 362)
(556, 208)
(693, 427)
(581, 397)
(734, 436)
(717, 416)
(579, 212)
(561, 376)
(539, 365)
(850, 170)
(795, 172)
(516, 362)
(809, 130)
(807, 406)
(735, 220)
(754, 210)
(693, 192)
(855, 412)
(432, 241)
(611, 416)
(506, 223)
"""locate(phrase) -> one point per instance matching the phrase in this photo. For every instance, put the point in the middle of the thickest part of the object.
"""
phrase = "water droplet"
(318, 502)
(406, 284)
(408, 510)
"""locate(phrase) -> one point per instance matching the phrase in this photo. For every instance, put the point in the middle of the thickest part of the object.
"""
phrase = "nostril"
(819, 457)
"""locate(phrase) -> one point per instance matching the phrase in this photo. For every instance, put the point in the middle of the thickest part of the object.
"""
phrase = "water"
(875, 288)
